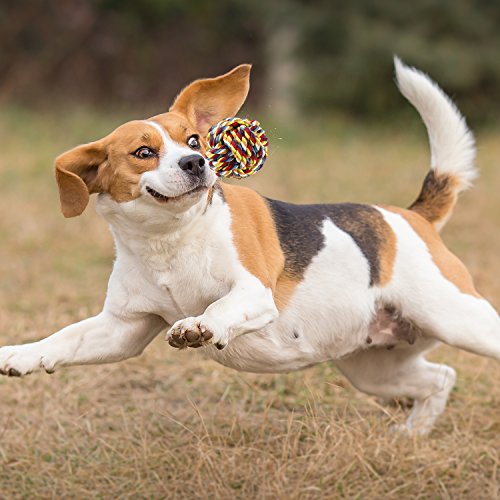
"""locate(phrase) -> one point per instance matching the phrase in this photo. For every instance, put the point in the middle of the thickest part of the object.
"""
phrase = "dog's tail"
(452, 145)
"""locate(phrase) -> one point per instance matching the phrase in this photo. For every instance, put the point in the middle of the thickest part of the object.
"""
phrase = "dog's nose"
(193, 164)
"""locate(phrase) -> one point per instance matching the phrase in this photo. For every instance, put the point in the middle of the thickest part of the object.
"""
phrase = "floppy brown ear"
(206, 102)
(77, 176)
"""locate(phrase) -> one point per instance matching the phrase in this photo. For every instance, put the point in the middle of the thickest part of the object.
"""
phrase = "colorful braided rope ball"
(237, 147)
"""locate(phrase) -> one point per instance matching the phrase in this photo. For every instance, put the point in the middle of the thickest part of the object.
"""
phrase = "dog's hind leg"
(461, 320)
(433, 290)
(399, 372)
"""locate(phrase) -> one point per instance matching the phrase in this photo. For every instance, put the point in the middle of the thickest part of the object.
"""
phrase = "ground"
(169, 424)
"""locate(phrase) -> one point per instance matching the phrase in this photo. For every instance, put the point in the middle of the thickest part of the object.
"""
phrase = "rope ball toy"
(237, 147)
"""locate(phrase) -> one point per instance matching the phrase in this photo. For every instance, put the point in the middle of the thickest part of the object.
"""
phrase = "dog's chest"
(177, 280)
(191, 281)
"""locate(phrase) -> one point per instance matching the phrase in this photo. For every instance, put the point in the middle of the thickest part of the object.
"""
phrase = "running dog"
(267, 286)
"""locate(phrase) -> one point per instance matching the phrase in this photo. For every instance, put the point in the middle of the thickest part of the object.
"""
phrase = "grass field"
(172, 425)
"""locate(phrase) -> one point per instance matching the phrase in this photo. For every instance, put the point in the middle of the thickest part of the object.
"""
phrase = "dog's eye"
(194, 142)
(144, 153)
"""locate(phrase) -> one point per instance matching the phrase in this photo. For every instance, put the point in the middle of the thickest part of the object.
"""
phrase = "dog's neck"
(141, 228)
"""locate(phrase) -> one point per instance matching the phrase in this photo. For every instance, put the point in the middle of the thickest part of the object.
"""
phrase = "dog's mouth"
(161, 198)
(158, 196)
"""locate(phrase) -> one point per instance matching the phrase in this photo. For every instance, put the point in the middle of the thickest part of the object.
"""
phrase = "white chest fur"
(177, 272)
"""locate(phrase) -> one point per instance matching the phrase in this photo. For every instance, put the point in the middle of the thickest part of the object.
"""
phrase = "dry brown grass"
(171, 425)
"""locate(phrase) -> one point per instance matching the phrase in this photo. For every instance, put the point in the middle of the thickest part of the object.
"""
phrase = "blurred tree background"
(327, 56)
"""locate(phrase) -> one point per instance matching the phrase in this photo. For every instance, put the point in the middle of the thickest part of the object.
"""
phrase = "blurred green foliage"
(127, 52)
(351, 43)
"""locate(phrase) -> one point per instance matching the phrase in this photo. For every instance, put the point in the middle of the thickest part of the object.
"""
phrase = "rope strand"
(237, 147)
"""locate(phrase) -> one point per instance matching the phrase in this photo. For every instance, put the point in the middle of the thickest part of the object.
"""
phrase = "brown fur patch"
(75, 171)
(257, 242)
(387, 251)
(205, 102)
(437, 197)
(179, 128)
(106, 166)
(450, 265)
(285, 288)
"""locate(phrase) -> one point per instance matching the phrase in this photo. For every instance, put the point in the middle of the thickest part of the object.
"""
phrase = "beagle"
(267, 286)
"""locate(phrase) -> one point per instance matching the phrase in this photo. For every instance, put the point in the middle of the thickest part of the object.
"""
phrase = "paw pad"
(181, 338)
(12, 372)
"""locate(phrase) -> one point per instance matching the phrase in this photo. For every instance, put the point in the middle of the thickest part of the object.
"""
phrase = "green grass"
(169, 424)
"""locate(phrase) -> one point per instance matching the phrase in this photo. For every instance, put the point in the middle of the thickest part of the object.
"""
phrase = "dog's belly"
(315, 327)
(328, 316)
(286, 346)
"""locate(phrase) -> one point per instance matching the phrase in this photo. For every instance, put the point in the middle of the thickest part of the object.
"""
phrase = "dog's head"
(159, 161)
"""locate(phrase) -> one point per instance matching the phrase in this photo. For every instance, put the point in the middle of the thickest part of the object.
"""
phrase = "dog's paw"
(193, 332)
(17, 361)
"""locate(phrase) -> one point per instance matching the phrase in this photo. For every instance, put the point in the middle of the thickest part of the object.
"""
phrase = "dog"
(267, 286)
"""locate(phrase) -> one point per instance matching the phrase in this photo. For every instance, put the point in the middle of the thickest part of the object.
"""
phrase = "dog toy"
(237, 147)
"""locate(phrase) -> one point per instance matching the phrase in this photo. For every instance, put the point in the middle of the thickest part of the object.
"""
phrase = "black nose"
(193, 164)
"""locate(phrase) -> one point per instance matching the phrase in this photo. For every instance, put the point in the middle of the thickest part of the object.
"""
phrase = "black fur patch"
(299, 231)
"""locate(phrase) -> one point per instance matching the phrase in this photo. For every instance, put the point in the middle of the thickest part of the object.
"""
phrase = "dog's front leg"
(105, 338)
(248, 307)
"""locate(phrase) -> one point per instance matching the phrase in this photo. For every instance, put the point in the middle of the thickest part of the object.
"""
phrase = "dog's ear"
(77, 175)
(205, 102)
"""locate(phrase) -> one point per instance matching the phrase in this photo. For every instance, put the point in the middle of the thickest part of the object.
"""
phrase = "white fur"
(176, 265)
(452, 143)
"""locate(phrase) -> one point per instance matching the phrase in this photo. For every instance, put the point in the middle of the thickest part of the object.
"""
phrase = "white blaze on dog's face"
(157, 163)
